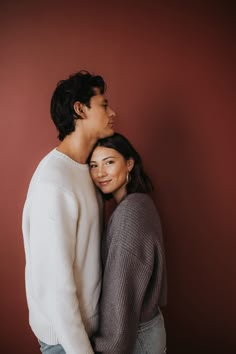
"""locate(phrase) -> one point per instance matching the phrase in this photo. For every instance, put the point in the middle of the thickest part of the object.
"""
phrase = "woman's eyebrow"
(108, 157)
(105, 158)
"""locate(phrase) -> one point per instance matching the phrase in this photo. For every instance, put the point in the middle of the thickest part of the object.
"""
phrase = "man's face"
(100, 116)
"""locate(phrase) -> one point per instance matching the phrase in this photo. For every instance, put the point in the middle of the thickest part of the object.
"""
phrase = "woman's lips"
(104, 183)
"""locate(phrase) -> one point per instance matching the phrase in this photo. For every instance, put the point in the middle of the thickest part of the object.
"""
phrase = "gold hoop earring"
(128, 178)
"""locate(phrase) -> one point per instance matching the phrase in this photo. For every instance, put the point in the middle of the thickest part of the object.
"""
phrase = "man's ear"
(130, 164)
(78, 107)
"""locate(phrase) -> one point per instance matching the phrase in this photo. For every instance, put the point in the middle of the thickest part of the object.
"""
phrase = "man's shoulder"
(51, 171)
(56, 167)
(44, 162)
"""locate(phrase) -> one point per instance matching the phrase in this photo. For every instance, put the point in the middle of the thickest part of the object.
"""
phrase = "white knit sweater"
(61, 229)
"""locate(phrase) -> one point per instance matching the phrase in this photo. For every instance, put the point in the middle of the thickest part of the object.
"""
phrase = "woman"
(134, 273)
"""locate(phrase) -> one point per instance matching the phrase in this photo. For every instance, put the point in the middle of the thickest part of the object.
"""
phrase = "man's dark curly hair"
(78, 87)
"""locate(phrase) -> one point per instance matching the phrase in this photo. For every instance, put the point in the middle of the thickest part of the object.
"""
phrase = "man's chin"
(110, 133)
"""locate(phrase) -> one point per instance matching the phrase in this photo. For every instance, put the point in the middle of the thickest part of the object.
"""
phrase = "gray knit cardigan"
(134, 274)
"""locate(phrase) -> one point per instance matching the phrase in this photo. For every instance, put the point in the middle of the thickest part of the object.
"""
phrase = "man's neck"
(77, 148)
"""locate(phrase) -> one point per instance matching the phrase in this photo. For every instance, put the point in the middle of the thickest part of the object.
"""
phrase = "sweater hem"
(46, 333)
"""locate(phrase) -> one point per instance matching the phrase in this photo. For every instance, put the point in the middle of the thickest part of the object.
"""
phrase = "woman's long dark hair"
(138, 182)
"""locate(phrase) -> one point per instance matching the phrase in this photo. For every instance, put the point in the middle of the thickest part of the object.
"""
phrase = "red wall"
(171, 80)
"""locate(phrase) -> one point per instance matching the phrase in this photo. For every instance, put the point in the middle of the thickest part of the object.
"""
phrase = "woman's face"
(109, 170)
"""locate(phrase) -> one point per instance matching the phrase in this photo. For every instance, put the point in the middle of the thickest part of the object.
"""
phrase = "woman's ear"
(78, 107)
(130, 164)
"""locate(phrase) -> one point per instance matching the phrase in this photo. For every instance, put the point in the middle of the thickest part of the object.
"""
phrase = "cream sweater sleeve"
(51, 251)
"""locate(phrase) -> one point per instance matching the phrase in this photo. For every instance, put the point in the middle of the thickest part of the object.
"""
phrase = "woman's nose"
(101, 172)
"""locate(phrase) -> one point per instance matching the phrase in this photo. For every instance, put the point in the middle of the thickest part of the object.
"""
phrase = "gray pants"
(151, 337)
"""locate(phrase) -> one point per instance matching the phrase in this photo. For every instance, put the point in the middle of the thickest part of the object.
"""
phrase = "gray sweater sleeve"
(125, 279)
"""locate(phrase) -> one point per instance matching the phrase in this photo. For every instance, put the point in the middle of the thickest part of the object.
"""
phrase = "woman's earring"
(128, 178)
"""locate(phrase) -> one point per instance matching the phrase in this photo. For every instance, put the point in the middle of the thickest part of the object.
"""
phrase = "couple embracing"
(92, 288)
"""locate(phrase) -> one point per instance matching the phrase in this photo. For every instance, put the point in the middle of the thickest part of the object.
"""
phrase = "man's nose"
(111, 112)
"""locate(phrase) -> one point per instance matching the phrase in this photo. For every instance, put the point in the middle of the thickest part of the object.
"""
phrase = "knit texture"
(61, 229)
(134, 275)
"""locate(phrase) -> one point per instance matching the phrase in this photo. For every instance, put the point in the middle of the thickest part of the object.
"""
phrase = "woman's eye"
(93, 166)
(109, 162)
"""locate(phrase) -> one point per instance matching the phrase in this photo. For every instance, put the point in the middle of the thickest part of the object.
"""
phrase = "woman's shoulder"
(135, 224)
(137, 198)
(136, 206)
(137, 201)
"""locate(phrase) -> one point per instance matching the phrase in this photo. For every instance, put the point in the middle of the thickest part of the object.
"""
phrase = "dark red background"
(170, 69)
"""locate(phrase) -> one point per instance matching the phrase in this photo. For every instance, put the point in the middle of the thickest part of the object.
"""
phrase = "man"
(61, 222)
